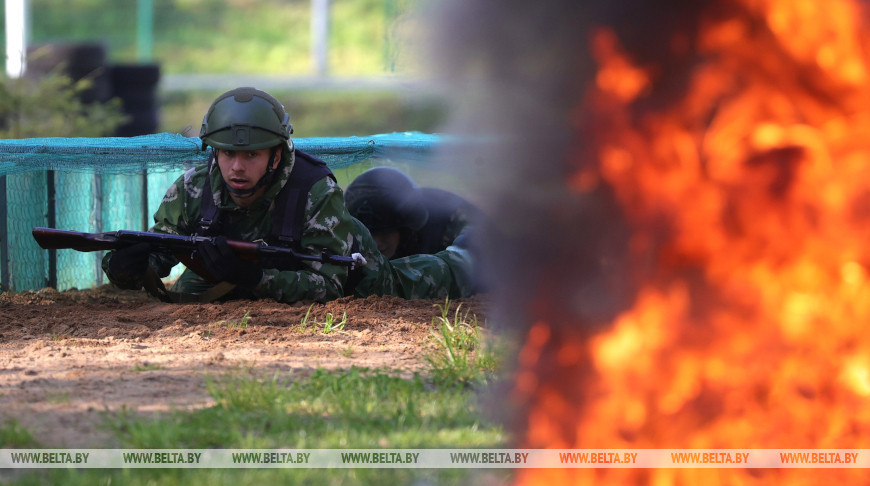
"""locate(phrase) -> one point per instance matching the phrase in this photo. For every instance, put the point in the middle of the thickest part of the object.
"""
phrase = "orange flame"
(749, 193)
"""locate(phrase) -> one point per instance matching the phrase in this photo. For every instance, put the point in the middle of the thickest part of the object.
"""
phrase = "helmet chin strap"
(267, 177)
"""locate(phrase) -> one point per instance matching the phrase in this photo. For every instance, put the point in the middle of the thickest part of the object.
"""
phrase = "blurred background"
(341, 67)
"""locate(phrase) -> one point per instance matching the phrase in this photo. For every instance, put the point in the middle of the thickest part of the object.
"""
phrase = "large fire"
(739, 157)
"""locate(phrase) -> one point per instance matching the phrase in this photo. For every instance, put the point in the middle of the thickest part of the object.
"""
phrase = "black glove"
(127, 266)
(224, 265)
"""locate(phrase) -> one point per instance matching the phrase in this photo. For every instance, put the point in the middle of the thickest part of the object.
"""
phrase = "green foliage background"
(236, 36)
(51, 107)
(368, 38)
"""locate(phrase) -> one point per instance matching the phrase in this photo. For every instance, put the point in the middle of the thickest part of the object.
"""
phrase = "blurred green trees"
(51, 107)
(236, 36)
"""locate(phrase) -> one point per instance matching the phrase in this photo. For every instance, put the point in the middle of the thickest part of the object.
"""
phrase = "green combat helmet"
(247, 119)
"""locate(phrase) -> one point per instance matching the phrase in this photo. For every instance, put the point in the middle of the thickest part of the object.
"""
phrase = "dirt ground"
(68, 357)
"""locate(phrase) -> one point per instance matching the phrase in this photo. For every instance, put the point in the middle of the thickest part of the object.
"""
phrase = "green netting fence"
(105, 184)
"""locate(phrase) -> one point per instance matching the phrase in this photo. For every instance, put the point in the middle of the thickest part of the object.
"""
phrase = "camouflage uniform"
(443, 274)
(327, 226)
(425, 260)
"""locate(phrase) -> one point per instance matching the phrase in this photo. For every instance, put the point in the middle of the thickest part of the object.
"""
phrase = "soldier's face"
(387, 242)
(241, 169)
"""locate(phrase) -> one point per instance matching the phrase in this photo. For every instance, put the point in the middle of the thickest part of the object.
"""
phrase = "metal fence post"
(4, 236)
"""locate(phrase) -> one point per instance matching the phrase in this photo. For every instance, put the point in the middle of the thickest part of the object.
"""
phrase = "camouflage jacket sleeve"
(377, 277)
(327, 226)
(447, 273)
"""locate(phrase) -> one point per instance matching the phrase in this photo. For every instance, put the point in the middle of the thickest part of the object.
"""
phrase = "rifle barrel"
(55, 239)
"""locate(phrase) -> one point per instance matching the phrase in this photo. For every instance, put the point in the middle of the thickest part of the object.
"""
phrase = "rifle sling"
(155, 287)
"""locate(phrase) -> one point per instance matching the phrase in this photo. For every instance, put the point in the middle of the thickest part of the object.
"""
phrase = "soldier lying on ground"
(406, 219)
(447, 273)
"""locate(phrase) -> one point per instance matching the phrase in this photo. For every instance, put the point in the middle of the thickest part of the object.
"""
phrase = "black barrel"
(136, 86)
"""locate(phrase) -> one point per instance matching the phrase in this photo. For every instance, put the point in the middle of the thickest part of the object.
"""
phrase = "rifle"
(183, 248)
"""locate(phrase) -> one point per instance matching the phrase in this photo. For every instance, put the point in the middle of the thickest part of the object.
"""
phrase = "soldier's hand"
(127, 266)
(224, 265)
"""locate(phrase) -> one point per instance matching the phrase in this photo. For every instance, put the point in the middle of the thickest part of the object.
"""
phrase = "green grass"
(57, 397)
(330, 323)
(347, 409)
(13, 435)
(240, 324)
(262, 477)
(140, 367)
(462, 353)
(357, 408)
(303, 324)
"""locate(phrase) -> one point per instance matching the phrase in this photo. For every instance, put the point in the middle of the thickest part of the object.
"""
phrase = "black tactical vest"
(288, 213)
